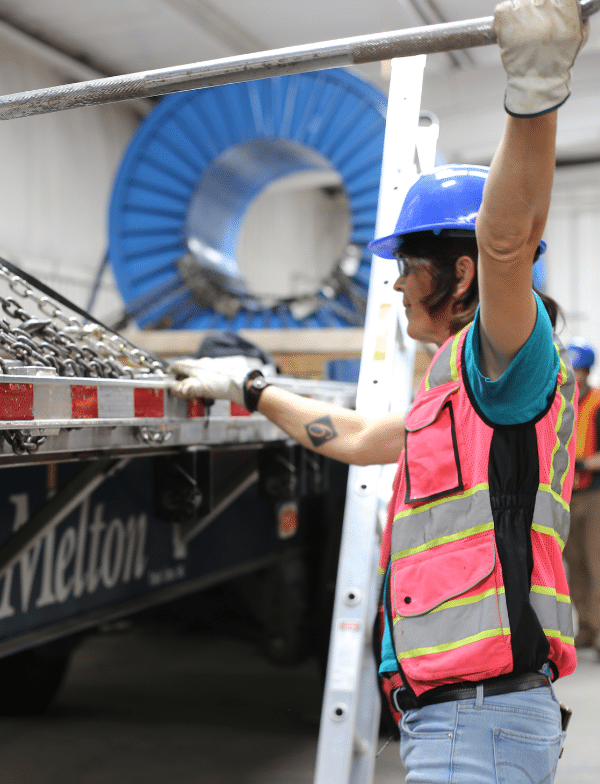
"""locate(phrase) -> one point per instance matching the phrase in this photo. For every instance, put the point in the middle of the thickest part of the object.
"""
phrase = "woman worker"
(476, 613)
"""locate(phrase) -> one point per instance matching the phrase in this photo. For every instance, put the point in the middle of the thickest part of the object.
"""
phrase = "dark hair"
(553, 309)
(442, 251)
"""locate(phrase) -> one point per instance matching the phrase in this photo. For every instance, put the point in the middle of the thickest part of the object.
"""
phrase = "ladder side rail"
(348, 736)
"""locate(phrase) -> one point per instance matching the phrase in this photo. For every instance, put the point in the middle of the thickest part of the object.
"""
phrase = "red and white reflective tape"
(196, 408)
(59, 401)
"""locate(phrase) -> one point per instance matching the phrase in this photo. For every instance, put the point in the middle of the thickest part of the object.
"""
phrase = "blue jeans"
(512, 738)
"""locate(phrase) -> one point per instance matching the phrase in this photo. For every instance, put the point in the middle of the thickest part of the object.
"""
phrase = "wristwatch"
(253, 388)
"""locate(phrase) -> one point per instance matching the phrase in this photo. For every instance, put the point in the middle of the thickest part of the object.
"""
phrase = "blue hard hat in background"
(446, 199)
(581, 354)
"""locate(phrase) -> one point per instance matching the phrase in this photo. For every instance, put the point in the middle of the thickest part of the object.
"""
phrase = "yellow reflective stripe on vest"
(556, 496)
(560, 597)
(545, 529)
(557, 445)
(451, 603)
(447, 500)
(564, 427)
(451, 646)
(572, 428)
(446, 362)
(562, 637)
(454, 355)
(477, 529)
(553, 611)
(559, 421)
(441, 518)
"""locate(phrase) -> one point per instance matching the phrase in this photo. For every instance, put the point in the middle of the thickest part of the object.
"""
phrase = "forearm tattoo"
(321, 431)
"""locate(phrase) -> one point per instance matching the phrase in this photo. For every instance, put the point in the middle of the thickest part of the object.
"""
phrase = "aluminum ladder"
(349, 726)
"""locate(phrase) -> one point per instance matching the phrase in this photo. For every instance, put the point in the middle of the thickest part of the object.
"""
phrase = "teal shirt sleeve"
(522, 391)
(388, 657)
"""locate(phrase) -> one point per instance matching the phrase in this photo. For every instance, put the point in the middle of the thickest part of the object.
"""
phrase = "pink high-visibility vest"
(476, 528)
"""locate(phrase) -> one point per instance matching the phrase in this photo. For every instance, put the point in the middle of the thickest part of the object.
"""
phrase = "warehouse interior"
(55, 157)
(294, 157)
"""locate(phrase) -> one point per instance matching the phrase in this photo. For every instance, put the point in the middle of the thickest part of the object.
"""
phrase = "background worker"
(582, 552)
(477, 617)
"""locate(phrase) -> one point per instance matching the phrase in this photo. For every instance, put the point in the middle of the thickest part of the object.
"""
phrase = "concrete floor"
(153, 703)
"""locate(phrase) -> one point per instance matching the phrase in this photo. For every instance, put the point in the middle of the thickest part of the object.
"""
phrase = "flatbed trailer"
(116, 497)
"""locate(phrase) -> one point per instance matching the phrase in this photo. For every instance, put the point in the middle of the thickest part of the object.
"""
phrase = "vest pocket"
(424, 581)
(450, 618)
(432, 461)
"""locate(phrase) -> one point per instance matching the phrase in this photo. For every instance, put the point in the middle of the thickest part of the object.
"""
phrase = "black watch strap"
(253, 389)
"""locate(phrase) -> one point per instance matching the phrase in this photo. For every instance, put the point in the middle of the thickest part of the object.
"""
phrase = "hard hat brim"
(386, 247)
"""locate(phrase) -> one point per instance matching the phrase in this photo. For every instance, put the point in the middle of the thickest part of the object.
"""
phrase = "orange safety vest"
(587, 439)
(476, 528)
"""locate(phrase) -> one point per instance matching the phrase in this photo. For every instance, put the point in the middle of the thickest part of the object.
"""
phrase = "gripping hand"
(221, 378)
(539, 40)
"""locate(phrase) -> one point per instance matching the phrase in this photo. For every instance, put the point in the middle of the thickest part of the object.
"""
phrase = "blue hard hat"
(581, 354)
(446, 199)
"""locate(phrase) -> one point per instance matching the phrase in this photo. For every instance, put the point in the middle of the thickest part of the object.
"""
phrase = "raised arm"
(510, 224)
(539, 40)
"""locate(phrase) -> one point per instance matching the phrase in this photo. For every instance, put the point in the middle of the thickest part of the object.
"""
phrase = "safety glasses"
(408, 263)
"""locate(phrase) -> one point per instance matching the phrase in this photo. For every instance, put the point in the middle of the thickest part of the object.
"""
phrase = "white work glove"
(539, 40)
(218, 378)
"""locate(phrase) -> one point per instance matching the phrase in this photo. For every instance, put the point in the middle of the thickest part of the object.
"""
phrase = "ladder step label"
(347, 643)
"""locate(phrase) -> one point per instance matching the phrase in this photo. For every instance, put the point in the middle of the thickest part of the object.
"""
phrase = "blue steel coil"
(231, 142)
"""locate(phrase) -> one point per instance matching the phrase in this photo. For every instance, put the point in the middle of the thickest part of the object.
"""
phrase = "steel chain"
(22, 443)
(148, 435)
(103, 348)
(67, 345)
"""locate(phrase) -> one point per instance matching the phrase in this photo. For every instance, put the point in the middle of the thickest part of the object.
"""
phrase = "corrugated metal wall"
(56, 173)
(573, 257)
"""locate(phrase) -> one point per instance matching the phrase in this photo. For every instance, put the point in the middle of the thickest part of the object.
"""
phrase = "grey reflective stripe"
(549, 512)
(440, 521)
(487, 614)
(555, 616)
(440, 372)
(566, 422)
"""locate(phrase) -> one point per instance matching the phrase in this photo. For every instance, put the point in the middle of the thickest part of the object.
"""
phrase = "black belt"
(402, 699)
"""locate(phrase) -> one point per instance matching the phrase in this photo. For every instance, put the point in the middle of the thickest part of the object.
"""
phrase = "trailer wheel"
(30, 679)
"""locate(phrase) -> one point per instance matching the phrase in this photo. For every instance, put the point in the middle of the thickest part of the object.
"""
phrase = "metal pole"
(262, 65)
